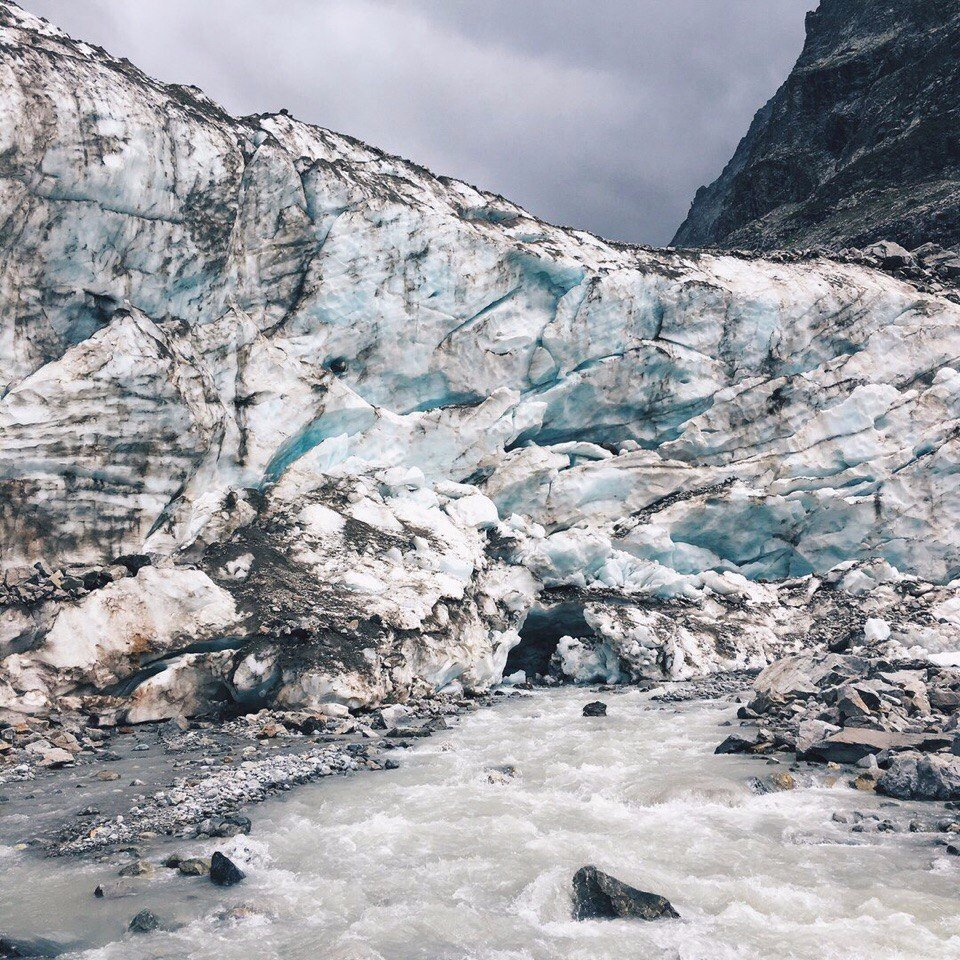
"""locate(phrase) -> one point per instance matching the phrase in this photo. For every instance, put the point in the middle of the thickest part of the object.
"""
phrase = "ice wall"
(207, 319)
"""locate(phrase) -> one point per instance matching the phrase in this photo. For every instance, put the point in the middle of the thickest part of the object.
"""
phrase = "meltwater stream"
(435, 862)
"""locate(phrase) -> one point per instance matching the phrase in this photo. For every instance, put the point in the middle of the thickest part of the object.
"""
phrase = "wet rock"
(14, 949)
(139, 868)
(232, 825)
(502, 774)
(866, 782)
(144, 922)
(913, 776)
(224, 872)
(598, 896)
(776, 783)
(596, 708)
(782, 781)
(242, 911)
(743, 742)
(194, 867)
(118, 889)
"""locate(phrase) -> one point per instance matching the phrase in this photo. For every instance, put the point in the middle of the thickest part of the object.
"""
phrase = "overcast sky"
(603, 114)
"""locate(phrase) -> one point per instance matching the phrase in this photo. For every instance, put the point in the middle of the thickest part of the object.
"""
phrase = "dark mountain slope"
(861, 143)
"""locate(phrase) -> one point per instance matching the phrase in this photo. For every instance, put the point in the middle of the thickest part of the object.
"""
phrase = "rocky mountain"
(286, 420)
(859, 145)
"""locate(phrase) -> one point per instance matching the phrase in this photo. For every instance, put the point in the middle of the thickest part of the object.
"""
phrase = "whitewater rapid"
(433, 861)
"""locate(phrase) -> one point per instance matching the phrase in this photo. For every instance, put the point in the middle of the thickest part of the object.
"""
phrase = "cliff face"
(862, 142)
(371, 426)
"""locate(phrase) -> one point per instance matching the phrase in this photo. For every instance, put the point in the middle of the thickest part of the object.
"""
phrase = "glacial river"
(435, 862)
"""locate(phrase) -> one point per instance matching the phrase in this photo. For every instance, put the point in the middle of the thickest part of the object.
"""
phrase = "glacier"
(359, 421)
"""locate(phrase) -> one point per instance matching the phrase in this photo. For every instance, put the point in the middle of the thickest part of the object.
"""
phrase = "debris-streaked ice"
(397, 411)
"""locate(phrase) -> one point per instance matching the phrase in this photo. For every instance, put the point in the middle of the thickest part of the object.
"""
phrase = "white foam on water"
(435, 862)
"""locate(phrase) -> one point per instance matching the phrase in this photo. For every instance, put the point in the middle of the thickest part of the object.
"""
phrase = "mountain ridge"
(857, 146)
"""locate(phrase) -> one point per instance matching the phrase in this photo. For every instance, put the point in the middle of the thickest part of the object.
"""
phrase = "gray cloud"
(605, 115)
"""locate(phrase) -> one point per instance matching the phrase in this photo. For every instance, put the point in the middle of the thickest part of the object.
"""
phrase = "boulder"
(193, 867)
(813, 731)
(13, 949)
(596, 708)
(928, 252)
(231, 825)
(855, 743)
(913, 776)
(56, 757)
(502, 774)
(598, 896)
(776, 783)
(144, 922)
(891, 255)
(747, 741)
(786, 679)
(224, 872)
(946, 701)
(851, 704)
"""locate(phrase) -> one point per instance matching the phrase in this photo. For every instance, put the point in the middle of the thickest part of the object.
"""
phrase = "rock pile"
(898, 720)
(30, 586)
(193, 801)
(930, 267)
(28, 744)
(214, 766)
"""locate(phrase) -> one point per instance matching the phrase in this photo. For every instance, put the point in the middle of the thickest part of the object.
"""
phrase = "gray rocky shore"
(68, 786)
(887, 725)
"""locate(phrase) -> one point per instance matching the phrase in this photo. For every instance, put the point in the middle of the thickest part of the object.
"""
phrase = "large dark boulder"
(598, 896)
(224, 872)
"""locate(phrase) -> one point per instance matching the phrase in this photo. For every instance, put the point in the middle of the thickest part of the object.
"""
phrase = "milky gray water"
(434, 862)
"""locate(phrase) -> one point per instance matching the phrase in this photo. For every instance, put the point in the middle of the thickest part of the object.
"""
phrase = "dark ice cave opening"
(540, 634)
